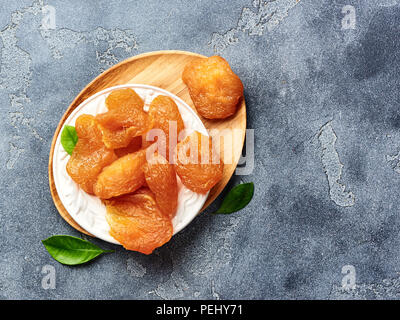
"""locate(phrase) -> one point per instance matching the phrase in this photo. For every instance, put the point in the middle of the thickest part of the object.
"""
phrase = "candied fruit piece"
(123, 176)
(198, 164)
(90, 155)
(125, 109)
(124, 120)
(161, 179)
(117, 139)
(137, 223)
(165, 113)
(134, 145)
(213, 87)
(123, 98)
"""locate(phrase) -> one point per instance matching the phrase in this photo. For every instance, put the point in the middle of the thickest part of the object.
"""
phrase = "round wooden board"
(162, 69)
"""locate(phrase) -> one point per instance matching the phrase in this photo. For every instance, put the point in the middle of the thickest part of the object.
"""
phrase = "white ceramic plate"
(87, 210)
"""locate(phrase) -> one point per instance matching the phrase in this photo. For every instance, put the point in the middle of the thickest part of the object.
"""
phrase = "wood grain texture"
(162, 69)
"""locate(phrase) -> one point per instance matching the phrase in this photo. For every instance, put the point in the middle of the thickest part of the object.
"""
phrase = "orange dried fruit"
(165, 116)
(214, 88)
(125, 109)
(116, 139)
(161, 179)
(90, 155)
(124, 120)
(137, 222)
(197, 163)
(133, 146)
(123, 98)
(123, 176)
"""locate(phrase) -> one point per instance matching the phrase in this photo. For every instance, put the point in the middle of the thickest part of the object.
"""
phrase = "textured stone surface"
(324, 104)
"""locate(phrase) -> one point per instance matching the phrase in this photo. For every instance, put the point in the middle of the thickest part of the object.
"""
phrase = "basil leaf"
(237, 198)
(71, 250)
(69, 138)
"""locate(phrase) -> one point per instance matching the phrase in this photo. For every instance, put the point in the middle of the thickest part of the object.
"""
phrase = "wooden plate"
(162, 69)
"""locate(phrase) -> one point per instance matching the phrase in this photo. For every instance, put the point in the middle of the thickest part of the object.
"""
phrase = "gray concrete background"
(324, 104)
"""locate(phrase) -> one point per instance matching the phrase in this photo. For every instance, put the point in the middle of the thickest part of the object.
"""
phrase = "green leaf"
(69, 138)
(237, 198)
(71, 250)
